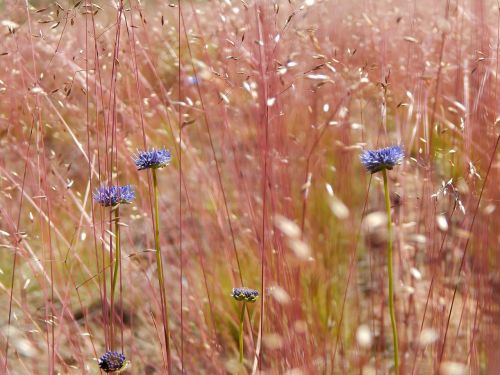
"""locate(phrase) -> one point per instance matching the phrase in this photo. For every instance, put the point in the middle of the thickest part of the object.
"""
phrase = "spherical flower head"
(385, 158)
(153, 159)
(245, 294)
(112, 361)
(113, 195)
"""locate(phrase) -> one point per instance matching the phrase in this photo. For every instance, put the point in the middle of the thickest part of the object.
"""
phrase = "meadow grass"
(265, 107)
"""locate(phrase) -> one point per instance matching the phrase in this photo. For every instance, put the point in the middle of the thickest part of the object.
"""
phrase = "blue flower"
(385, 158)
(112, 195)
(245, 294)
(191, 80)
(152, 159)
(112, 361)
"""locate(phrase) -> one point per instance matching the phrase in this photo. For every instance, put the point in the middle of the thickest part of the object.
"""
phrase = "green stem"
(117, 252)
(159, 264)
(242, 318)
(390, 271)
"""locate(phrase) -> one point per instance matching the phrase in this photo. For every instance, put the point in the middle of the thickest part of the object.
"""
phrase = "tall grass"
(266, 107)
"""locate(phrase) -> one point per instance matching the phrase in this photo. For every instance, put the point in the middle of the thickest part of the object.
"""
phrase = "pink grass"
(263, 105)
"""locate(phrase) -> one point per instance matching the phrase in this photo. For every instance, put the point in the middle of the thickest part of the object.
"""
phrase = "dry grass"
(266, 107)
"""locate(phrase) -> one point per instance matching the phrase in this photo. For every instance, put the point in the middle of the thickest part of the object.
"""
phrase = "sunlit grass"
(276, 101)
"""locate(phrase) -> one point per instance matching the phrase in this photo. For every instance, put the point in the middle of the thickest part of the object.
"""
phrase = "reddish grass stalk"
(181, 261)
(212, 148)
(16, 248)
(438, 81)
(462, 262)
(429, 293)
(352, 262)
(43, 187)
(265, 149)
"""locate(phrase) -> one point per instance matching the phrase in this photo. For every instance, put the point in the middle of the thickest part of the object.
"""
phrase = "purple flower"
(112, 361)
(113, 195)
(385, 158)
(152, 159)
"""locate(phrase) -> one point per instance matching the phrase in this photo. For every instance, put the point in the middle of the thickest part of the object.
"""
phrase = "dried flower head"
(113, 195)
(152, 159)
(385, 158)
(112, 361)
(245, 294)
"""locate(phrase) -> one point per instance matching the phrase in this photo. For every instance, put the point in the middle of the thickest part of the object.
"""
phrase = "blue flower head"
(112, 195)
(385, 158)
(191, 80)
(152, 159)
(245, 294)
(112, 361)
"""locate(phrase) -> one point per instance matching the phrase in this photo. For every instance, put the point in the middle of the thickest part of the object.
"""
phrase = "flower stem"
(242, 318)
(159, 265)
(390, 271)
(116, 268)
(117, 252)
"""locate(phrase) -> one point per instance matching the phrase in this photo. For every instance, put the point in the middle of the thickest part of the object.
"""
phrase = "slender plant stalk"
(390, 271)
(242, 318)
(115, 272)
(159, 264)
(117, 252)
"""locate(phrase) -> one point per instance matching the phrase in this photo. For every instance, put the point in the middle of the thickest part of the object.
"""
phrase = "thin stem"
(390, 271)
(159, 264)
(242, 318)
(117, 252)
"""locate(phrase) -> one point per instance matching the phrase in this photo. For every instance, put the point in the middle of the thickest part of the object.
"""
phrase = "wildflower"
(112, 361)
(385, 158)
(245, 294)
(376, 161)
(155, 159)
(112, 195)
(152, 159)
(191, 80)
